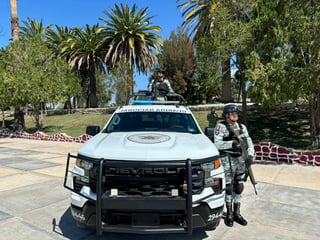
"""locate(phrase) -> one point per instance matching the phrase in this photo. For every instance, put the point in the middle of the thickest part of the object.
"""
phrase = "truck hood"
(149, 146)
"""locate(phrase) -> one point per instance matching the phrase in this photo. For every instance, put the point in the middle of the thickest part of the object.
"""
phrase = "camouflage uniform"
(212, 118)
(159, 86)
(235, 168)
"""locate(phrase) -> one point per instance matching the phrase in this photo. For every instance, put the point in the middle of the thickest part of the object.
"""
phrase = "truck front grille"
(147, 181)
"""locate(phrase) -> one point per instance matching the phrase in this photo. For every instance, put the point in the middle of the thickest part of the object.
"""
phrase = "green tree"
(31, 29)
(104, 89)
(209, 73)
(5, 95)
(82, 50)
(18, 113)
(178, 59)
(36, 31)
(130, 37)
(120, 79)
(221, 24)
(285, 62)
(225, 27)
(56, 40)
(201, 18)
(33, 76)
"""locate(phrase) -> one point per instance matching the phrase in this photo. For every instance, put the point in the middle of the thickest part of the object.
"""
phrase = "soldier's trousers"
(235, 170)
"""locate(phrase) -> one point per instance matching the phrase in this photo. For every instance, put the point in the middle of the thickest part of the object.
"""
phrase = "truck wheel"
(211, 227)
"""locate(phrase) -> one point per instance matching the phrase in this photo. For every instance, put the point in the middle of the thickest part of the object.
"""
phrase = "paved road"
(34, 204)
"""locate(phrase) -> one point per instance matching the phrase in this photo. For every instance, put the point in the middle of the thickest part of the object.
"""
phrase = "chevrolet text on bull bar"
(150, 169)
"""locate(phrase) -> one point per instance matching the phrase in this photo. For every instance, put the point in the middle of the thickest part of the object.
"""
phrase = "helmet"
(159, 70)
(230, 108)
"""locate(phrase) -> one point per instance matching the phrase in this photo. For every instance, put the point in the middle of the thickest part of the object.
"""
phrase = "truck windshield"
(152, 121)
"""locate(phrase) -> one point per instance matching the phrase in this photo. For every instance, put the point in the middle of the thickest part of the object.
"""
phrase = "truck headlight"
(86, 166)
(210, 180)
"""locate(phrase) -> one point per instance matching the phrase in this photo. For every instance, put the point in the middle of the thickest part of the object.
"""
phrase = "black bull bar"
(105, 203)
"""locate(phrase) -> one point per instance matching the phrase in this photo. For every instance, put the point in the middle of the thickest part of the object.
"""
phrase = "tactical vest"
(229, 138)
(231, 133)
(160, 87)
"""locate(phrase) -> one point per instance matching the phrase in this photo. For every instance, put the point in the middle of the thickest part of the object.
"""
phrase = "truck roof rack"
(144, 97)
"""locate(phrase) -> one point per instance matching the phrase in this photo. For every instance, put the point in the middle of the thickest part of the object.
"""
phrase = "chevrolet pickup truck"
(150, 169)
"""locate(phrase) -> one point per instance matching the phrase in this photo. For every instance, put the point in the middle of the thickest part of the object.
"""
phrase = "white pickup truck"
(149, 170)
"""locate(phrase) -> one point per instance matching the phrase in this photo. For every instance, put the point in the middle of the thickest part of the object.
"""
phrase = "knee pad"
(238, 187)
(240, 177)
(229, 189)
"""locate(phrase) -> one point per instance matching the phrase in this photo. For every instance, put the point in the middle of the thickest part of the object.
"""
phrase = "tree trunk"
(18, 113)
(93, 100)
(130, 82)
(14, 20)
(243, 81)
(67, 105)
(19, 124)
(75, 102)
(3, 118)
(244, 98)
(314, 106)
(226, 82)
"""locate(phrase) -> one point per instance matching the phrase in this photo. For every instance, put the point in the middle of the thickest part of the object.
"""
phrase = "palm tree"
(83, 51)
(56, 39)
(19, 123)
(33, 29)
(129, 37)
(199, 19)
(14, 20)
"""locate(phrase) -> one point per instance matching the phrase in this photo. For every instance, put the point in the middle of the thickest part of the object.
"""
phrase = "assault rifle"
(244, 156)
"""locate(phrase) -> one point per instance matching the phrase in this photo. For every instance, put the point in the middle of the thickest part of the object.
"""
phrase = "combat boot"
(237, 216)
(229, 216)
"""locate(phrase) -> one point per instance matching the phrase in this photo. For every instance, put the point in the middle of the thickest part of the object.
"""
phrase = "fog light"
(114, 192)
(174, 192)
(212, 182)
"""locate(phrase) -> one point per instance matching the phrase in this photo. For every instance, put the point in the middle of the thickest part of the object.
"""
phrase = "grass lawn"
(289, 128)
(72, 124)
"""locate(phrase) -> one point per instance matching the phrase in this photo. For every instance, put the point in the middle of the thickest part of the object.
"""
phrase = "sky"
(78, 13)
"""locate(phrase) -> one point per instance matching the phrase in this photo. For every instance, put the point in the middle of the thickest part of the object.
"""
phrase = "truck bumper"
(159, 219)
(175, 208)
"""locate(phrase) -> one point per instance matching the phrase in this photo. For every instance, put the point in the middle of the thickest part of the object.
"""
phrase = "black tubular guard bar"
(66, 178)
(99, 227)
(189, 196)
(99, 191)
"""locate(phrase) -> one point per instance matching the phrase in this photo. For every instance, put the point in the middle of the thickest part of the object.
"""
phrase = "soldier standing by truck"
(212, 118)
(227, 137)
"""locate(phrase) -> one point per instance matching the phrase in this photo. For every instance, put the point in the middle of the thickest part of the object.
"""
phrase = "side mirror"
(209, 132)
(92, 130)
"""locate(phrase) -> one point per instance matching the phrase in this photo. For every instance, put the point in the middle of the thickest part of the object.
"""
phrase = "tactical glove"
(236, 146)
(249, 161)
